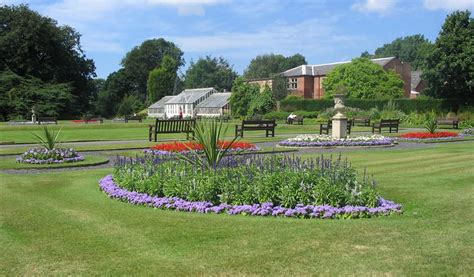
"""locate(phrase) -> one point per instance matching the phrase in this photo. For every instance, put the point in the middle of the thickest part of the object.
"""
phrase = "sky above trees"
(322, 31)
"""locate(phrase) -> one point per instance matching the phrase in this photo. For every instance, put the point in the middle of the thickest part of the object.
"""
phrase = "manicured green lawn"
(60, 223)
(11, 163)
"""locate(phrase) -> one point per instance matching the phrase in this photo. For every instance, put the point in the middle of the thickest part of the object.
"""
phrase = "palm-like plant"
(209, 134)
(49, 139)
(431, 123)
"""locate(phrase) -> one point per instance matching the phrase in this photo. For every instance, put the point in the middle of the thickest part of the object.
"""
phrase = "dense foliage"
(242, 94)
(210, 72)
(262, 102)
(450, 66)
(363, 79)
(45, 55)
(266, 66)
(162, 80)
(281, 180)
(18, 95)
(142, 59)
(413, 49)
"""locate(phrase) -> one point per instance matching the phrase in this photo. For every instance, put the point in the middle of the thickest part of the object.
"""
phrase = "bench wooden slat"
(386, 123)
(171, 126)
(254, 125)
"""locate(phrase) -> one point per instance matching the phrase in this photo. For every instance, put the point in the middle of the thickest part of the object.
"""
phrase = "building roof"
(216, 100)
(415, 79)
(161, 103)
(323, 69)
(189, 96)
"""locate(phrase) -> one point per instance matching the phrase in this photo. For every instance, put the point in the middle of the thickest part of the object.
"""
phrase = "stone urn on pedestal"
(339, 121)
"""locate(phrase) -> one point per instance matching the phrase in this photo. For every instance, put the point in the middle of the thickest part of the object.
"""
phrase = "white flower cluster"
(323, 138)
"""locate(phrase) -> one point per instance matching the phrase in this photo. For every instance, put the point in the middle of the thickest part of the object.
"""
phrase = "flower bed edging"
(328, 141)
(61, 155)
(112, 190)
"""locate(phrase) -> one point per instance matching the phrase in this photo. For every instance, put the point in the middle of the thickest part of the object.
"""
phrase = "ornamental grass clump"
(247, 180)
(431, 123)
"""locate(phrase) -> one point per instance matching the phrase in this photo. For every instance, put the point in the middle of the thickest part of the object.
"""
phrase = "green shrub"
(306, 114)
(276, 115)
(431, 122)
(49, 139)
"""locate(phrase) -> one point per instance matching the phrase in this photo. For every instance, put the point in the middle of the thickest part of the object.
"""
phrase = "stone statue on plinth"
(339, 121)
(33, 115)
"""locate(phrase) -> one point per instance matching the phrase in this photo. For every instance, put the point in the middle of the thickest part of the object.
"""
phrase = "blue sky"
(322, 30)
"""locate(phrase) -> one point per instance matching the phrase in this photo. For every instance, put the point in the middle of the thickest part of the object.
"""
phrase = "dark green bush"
(276, 115)
(405, 105)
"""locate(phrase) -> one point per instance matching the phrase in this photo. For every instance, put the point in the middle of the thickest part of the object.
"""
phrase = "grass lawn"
(11, 163)
(60, 223)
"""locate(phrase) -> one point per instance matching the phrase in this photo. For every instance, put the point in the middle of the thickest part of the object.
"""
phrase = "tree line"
(42, 65)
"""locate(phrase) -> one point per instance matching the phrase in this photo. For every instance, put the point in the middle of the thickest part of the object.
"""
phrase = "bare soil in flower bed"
(10, 163)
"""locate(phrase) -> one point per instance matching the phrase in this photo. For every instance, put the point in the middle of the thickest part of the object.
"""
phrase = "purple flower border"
(114, 191)
(51, 160)
(382, 142)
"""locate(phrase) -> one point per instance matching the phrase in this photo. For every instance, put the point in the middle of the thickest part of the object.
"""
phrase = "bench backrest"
(269, 123)
(46, 118)
(133, 117)
(448, 119)
(174, 125)
(389, 122)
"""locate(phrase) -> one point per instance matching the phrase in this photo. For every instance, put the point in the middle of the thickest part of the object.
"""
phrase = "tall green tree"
(162, 80)
(279, 87)
(36, 46)
(262, 102)
(242, 95)
(18, 95)
(450, 67)
(210, 72)
(363, 79)
(413, 49)
(142, 59)
(112, 92)
(265, 66)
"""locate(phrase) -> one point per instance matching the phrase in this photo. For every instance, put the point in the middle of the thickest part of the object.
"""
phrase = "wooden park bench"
(362, 120)
(386, 123)
(171, 126)
(223, 118)
(46, 119)
(326, 128)
(297, 120)
(452, 121)
(255, 125)
(137, 118)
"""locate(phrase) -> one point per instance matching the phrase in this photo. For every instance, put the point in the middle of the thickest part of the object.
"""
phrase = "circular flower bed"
(54, 156)
(113, 190)
(186, 147)
(249, 185)
(328, 141)
(420, 136)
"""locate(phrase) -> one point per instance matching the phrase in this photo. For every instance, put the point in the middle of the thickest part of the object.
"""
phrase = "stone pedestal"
(339, 126)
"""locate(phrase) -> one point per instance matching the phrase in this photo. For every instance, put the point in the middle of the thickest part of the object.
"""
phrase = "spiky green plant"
(431, 122)
(49, 139)
(209, 134)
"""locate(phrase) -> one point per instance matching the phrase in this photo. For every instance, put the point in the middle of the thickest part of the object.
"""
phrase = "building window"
(292, 83)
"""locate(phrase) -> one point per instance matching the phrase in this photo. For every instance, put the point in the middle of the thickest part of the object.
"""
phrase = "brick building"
(306, 80)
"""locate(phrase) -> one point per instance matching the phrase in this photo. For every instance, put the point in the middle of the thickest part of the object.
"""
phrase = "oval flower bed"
(328, 141)
(185, 147)
(46, 156)
(261, 186)
(421, 136)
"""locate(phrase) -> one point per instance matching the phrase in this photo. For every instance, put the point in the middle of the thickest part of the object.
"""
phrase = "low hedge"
(405, 105)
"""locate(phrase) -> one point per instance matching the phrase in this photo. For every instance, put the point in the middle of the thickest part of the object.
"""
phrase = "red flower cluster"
(423, 135)
(186, 146)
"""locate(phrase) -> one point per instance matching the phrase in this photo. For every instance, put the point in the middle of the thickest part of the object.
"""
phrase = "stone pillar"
(339, 126)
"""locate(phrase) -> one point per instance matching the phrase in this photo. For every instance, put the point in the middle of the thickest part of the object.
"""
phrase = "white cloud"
(191, 10)
(449, 5)
(374, 6)
(283, 38)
